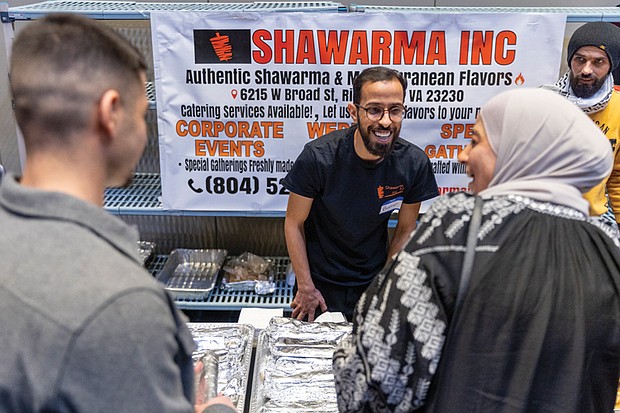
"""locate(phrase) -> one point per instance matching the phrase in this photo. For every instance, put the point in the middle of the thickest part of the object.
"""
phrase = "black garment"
(346, 230)
(539, 329)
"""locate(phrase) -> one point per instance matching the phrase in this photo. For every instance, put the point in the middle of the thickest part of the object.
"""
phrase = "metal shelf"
(574, 14)
(150, 95)
(131, 10)
(220, 299)
(143, 197)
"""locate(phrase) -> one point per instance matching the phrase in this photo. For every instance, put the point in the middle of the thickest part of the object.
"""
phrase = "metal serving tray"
(293, 367)
(191, 273)
(232, 343)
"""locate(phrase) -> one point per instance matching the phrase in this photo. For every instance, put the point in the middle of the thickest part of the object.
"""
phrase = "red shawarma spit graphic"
(222, 47)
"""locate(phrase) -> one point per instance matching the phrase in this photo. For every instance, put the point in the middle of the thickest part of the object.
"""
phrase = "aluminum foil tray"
(191, 274)
(232, 343)
(293, 367)
(146, 250)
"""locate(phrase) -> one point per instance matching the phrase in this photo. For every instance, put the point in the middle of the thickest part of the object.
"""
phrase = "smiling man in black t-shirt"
(344, 187)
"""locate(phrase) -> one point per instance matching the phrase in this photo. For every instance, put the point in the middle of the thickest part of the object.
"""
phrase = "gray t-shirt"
(83, 326)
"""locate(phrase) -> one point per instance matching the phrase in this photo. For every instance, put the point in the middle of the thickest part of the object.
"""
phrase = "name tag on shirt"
(391, 205)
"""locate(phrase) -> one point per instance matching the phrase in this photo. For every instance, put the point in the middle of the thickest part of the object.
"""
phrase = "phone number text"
(217, 185)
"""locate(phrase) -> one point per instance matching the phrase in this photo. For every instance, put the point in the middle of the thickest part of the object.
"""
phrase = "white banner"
(240, 94)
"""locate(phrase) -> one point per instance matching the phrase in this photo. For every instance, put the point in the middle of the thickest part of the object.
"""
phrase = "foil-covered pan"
(190, 274)
(205, 381)
(293, 367)
(231, 344)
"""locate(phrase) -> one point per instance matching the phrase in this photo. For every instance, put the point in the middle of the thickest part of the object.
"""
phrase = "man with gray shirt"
(83, 326)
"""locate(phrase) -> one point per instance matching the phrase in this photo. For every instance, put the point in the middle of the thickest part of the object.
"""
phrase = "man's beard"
(378, 148)
(585, 91)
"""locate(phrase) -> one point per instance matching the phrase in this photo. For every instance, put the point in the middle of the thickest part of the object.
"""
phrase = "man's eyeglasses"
(375, 113)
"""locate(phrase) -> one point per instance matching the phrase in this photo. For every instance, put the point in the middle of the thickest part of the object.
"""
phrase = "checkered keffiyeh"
(590, 105)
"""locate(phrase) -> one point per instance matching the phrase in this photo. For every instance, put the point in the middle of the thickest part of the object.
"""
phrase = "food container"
(249, 272)
(231, 345)
(191, 274)
(293, 366)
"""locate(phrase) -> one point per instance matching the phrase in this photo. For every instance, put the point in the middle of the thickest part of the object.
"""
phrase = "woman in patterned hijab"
(538, 329)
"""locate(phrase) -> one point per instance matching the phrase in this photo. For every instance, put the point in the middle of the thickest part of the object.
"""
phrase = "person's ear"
(352, 111)
(109, 112)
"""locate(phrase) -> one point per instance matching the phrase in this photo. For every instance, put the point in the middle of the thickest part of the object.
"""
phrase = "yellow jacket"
(608, 120)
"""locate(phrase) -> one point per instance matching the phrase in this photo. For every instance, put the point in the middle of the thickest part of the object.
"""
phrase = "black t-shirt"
(346, 230)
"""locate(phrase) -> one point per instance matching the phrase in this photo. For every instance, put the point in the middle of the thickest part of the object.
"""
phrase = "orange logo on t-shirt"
(388, 191)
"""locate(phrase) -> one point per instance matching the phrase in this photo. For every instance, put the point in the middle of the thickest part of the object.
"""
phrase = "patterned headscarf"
(547, 149)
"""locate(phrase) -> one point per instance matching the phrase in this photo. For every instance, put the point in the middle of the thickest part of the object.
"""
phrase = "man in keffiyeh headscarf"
(593, 53)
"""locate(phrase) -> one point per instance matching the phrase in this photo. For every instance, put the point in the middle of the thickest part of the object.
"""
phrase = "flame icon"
(222, 47)
(519, 80)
